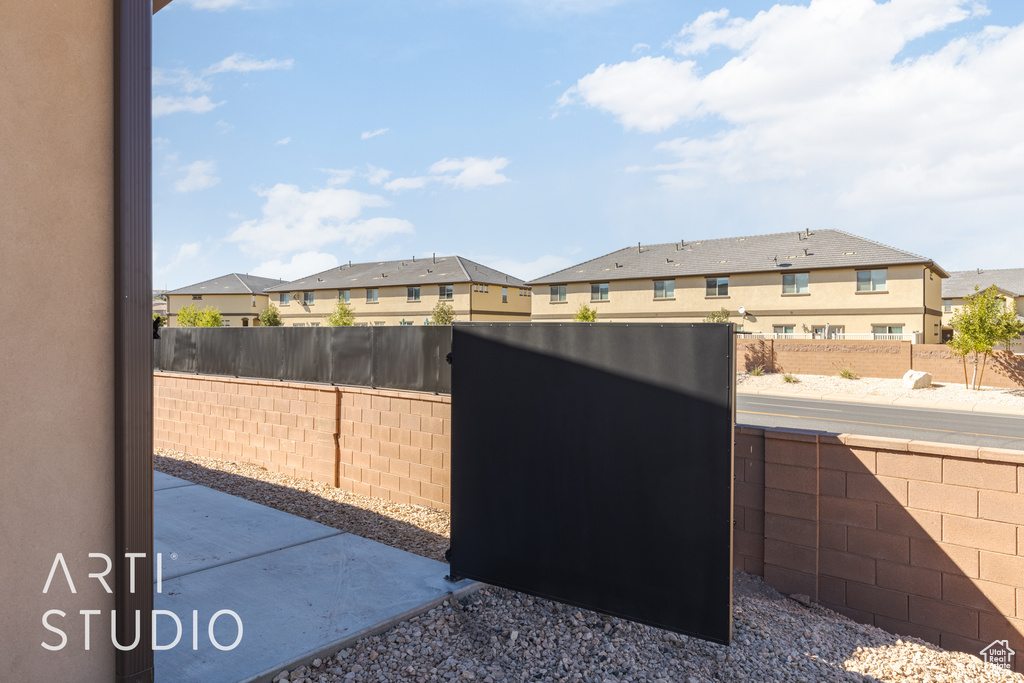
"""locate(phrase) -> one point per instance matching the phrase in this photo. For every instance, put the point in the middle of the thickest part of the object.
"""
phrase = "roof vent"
(979, 271)
(668, 260)
(638, 249)
(805, 253)
(726, 261)
(849, 253)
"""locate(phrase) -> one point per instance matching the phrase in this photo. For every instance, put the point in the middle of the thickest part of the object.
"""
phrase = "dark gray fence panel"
(305, 354)
(412, 358)
(261, 353)
(175, 351)
(592, 464)
(217, 349)
(352, 356)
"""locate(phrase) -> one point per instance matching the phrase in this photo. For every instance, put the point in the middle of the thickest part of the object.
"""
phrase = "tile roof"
(437, 270)
(232, 283)
(961, 283)
(757, 253)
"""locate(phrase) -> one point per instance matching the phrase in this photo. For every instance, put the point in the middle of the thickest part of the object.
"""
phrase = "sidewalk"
(300, 589)
(855, 397)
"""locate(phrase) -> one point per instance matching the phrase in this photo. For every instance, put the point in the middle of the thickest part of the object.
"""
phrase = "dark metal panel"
(260, 352)
(592, 464)
(217, 349)
(133, 338)
(351, 353)
(300, 358)
(410, 357)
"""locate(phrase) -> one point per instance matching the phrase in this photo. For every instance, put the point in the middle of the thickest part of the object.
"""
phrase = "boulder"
(915, 379)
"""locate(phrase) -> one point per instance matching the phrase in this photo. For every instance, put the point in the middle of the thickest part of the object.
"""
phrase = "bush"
(160, 320)
(790, 379)
(585, 314)
(270, 316)
(190, 316)
(443, 314)
(341, 316)
(847, 373)
(757, 370)
(719, 316)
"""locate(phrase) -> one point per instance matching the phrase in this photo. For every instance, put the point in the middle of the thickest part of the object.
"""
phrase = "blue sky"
(290, 136)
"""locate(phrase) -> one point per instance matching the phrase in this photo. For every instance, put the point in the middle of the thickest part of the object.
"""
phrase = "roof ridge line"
(247, 287)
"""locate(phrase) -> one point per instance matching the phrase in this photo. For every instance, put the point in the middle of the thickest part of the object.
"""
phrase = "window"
(886, 329)
(664, 289)
(314, 324)
(225, 323)
(870, 280)
(485, 289)
(283, 299)
(412, 293)
(307, 298)
(197, 297)
(345, 295)
(795, 283)
(504, 295)
(834, 332)
(947, 305)
(475, 288)
(783, 329)
(557, 293)
(371, 296)
(599, 292)
(445, 292)
(717, 286)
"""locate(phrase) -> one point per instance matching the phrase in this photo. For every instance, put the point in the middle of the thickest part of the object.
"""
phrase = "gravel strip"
(415, 528)
(886, 388)
(502, 635)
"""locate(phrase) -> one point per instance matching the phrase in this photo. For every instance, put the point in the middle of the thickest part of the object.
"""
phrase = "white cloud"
(183, 78)
(819, 94)
(200, 175)
(375, 175)
(186, 252)
(372, 134)
(296, 221)
(465, 173)
(301, 265)
(338, 176)
(161, 143)
(528, 270)
(244, 63)
(640, 47)
(162, 105)
(283, 141)
(224, 127)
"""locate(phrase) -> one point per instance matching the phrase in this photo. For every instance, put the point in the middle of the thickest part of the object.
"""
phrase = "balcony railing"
(912, 337)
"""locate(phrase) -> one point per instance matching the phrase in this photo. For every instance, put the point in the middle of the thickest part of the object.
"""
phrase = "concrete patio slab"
(163, 481)
(197, 528)
(294, 604)
(299, 589)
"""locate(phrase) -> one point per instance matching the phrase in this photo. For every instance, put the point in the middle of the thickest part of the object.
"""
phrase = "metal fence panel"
(592, 464)
(303, 358)
(351, 354)
(261, 354)
(175, 351)
(217, 349)
(406, 360)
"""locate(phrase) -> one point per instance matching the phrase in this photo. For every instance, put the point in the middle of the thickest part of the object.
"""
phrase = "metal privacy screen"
(592, 465)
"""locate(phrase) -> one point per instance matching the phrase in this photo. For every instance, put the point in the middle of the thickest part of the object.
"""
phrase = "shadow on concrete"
(349, 518)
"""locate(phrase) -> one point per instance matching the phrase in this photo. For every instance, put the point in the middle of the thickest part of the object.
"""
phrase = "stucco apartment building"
(961, 284)
(404, 292)
(240, 298)
(787, 285)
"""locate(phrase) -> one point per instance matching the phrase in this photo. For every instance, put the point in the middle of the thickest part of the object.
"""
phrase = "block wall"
(389, 444)
(868, 358)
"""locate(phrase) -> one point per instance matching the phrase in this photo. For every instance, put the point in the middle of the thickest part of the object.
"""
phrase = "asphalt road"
(921, 424)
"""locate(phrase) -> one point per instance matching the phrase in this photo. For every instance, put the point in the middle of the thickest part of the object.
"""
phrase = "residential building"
(404, 292)
(787, 285)
(961, 283)
(239, 298)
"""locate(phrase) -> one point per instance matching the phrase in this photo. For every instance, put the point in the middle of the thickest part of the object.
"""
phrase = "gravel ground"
(887, 388)
(501, 635)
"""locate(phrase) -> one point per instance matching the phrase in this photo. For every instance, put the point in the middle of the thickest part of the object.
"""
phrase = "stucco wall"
(56, 407)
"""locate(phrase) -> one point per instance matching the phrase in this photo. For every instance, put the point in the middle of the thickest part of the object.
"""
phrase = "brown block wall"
(883, 359)
(918, 538)
(389, 444)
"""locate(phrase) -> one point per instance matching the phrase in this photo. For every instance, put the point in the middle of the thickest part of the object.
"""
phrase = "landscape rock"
(916, 379)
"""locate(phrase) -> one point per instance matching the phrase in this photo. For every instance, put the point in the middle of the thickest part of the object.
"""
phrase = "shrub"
(341, 316)
(719, 316)
(443, 314)
(757, 370)
(790, 379)
(847, 373)
(270, 316)
(190, 316)
(585, 314)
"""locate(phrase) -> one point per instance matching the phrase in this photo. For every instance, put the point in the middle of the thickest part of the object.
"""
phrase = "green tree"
(341, 316)
(190, 316)
(270, 316)
(719, 316)
(982, 323)
(443, 314)
(585, 314)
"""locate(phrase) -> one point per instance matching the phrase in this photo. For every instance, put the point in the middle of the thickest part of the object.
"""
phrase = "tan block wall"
(389, 444)
(918, 538)
(885, 359)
